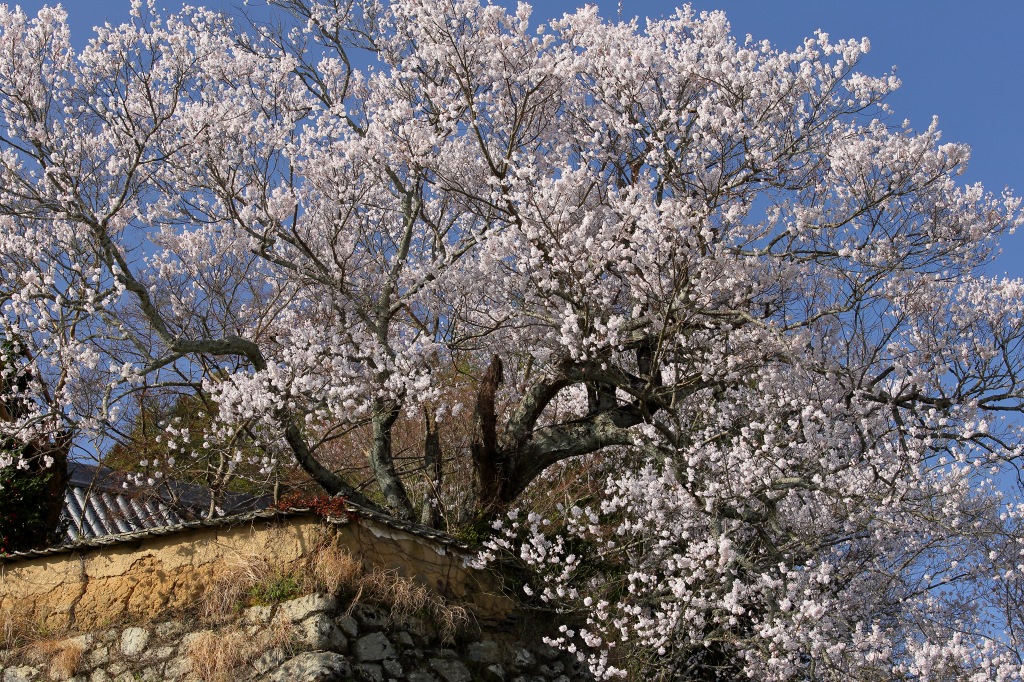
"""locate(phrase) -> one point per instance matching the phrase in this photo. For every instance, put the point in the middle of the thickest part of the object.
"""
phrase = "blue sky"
(963, 62)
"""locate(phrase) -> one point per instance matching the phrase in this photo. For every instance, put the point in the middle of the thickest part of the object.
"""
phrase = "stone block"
(374, 647)
(314, 666)
(421, 676)
(369, 617)
(134, 641)
(392, 667)
(269, 660)
(576, 667)
(302, 608)
(495, 673)
(22, 673)
(320, 632)
(552, 669)
(257, 615)
(451, 670)
(160, 653)
(84, 642)
(150, 674)
(97, 656)
(348, 625)
(547, 652)
(171, 629)
(177, 668)
(484, 653)
(369, 672)
(186, 641)
(524, 659)
(419, 629)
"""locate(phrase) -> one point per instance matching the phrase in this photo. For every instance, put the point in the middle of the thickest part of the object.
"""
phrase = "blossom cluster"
(712, 264)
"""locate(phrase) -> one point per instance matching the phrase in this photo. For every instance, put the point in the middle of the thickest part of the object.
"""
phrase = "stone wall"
(130, 608)
(140, 577)
(314, 638)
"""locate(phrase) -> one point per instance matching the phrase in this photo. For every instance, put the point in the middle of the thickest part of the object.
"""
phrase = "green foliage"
(281, 587)
(28, 493)
(474, 532)
(24, 500)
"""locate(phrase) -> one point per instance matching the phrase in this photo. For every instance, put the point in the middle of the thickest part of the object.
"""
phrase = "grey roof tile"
(100, 501)
(100, 511)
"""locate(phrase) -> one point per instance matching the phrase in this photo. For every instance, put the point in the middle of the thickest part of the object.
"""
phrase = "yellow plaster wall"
(141, 580)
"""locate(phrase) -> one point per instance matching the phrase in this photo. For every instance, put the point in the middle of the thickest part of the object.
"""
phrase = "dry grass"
(449, 619)
(10, 635)
(62, 657)
(222, 599)
(18, 629)
(252, 578)
(280, 633)
(331, 568)
(247, 579)
(64, 664)
(406, 597)
(403, 596)
(216, 656)
(27, 639)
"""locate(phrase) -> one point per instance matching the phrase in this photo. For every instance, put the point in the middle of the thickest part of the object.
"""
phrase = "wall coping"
(352, 511)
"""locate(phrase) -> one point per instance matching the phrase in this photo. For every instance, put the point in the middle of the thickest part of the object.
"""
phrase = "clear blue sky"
(961, 61)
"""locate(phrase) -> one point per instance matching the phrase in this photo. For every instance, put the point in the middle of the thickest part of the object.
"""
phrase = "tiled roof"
(121, 538)
(103, 512)
(437, 537)
(100, 501)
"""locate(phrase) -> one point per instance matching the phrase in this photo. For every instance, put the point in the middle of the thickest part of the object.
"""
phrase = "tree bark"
(549, 445)
(504, 466)
(430, 515)
(489, 463)
(385, 414)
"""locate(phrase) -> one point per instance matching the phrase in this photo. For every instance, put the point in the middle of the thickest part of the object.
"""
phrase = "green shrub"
(32, 495)
(281, 588)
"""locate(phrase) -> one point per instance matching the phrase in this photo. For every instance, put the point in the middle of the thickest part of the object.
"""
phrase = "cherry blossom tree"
(719, 272)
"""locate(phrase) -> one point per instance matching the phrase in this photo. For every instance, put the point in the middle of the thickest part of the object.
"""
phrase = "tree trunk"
(505, 466)
(385, 414)
(430, 515)
(489, 463)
